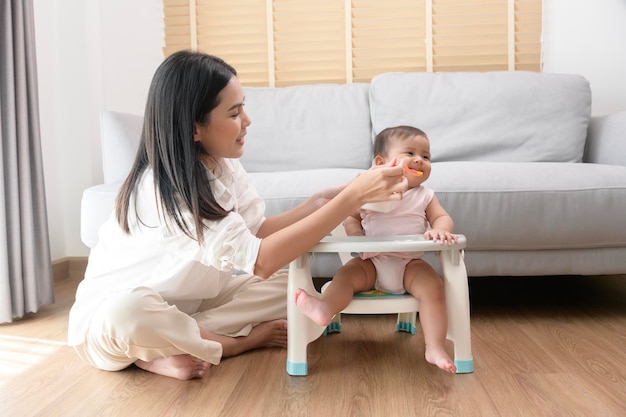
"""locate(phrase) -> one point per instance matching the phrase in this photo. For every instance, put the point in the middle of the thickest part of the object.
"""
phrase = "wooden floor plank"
(549, 346)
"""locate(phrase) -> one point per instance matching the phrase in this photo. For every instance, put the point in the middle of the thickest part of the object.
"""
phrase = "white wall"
(589, 38)
(93, 55)
(96, 55)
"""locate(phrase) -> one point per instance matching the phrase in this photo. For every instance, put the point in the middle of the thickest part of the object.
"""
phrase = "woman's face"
(224, 135)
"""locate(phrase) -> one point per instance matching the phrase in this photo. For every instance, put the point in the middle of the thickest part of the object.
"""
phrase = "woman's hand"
(380, 183)
(288, 235)
(312, 204)
(322, 197)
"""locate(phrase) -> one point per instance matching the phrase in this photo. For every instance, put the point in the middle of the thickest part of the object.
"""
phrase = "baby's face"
(414, 153)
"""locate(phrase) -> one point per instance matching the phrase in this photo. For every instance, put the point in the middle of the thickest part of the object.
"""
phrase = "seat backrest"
(120, 134)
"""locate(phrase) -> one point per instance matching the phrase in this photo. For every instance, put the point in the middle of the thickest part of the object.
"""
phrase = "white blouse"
(158, 255)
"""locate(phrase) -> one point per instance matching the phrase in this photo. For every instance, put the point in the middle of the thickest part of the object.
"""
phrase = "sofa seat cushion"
(534, 206)
(285, 189)
(495, 116)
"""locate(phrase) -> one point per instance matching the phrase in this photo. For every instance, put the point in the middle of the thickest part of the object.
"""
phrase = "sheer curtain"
(26, 280)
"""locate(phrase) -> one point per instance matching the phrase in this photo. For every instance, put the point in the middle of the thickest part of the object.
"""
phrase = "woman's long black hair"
(184, 90)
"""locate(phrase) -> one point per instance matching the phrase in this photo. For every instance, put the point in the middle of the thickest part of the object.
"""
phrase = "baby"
(419, 212)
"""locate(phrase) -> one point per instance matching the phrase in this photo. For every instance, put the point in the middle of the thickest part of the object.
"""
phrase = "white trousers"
(139, 324)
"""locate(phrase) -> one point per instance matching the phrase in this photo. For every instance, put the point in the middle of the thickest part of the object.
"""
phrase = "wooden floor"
(542, 347)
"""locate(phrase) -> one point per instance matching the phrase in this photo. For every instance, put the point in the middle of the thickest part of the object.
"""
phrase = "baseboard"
(69, 268)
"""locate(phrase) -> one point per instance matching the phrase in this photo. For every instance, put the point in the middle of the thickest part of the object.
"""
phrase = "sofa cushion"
(534, 206)
(307, 127)
(495, 116)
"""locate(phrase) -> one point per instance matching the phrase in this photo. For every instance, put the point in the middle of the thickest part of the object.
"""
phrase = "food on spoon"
(413, 172)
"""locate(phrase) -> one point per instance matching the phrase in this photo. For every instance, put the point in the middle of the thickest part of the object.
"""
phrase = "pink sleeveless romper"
(409, 218)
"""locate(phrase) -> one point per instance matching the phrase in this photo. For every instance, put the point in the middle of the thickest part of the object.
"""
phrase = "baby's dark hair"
(381, 141)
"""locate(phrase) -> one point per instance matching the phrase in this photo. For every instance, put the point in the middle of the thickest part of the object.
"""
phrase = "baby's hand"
(442, 236)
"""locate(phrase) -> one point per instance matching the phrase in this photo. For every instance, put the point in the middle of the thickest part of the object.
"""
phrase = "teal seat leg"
(465, 366)
(406, 322)
(334, 326)
(297, 369)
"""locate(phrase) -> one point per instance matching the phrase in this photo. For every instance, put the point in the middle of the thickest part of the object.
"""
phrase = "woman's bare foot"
(269, 334)
(178, 366)
(438, 356)
(313, 308)
(266, 334)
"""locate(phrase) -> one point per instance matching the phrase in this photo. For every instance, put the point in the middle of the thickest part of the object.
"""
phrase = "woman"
(159, 290)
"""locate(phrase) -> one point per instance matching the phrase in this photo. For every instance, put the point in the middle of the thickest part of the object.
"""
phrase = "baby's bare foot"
(178, 366)
(438, 356)
(313, 308)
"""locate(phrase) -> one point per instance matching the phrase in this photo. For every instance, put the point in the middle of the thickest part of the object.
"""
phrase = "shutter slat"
(308, 38)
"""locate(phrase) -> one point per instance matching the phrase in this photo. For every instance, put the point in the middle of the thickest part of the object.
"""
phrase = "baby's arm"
(353, 226)
(440, 222)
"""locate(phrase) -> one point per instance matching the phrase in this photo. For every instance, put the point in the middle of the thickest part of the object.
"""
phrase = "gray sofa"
(535, 183)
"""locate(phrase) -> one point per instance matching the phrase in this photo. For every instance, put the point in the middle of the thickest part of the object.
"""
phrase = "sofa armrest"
(120, 133)
(606, 140)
